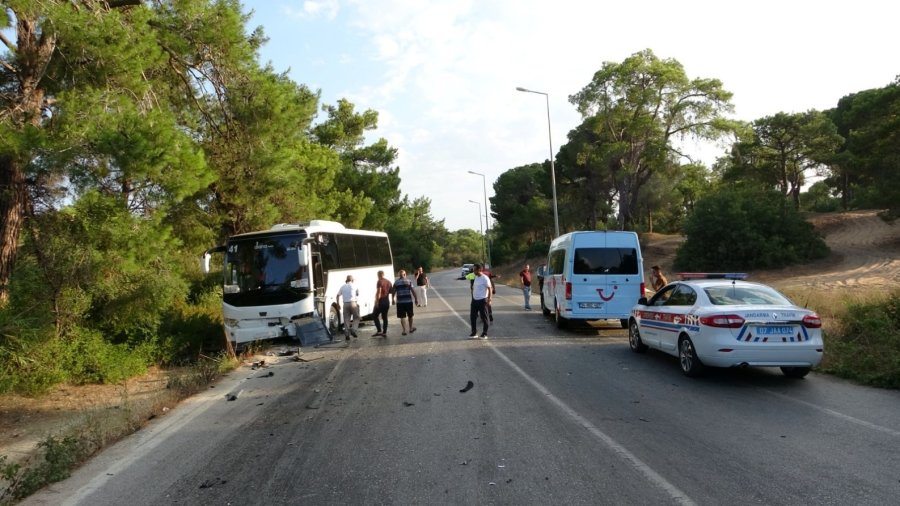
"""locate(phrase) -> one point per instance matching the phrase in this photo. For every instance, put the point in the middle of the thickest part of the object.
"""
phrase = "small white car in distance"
(719, 320)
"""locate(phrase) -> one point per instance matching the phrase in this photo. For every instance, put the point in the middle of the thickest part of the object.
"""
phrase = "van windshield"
(606, 261)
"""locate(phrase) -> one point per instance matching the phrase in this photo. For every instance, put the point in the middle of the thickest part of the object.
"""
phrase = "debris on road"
(234, 395)
(408, 404)
(309, 357)
(469, 386)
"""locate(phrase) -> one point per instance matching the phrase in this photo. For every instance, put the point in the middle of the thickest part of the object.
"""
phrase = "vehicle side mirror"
(204, 260)
(302, 255)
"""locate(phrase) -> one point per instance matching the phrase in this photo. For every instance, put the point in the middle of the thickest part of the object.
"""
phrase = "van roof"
(611, 237)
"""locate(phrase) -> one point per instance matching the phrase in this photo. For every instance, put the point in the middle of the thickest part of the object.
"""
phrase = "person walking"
(350, 295)
(403, 297)
(382, 304)
(525, 280)
(481, 301)
(422, 284)
(657, 279)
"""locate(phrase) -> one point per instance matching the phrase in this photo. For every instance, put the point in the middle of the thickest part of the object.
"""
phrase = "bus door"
(318, 287)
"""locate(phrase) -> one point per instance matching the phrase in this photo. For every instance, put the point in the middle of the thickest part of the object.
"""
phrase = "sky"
(442, 74)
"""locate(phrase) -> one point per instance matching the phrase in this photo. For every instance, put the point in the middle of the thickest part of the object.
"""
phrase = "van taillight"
(568, 290)
(728, 321)
(812, 321)
(643, 289)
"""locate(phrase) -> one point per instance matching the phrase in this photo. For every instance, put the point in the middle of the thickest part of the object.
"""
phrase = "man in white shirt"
(481, 299)
(349, 294)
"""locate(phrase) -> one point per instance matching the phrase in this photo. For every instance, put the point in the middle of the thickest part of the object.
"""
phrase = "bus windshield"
(264, 269)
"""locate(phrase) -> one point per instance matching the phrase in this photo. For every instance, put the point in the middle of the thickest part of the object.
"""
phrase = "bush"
(866, 344)
(192, 328)
(747, 229)
(91, 359)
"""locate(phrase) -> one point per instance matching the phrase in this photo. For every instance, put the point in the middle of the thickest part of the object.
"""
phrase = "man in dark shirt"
(525, 281)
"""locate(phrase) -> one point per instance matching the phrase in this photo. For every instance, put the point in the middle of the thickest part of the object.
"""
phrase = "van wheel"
(543, 307)
(561, 322)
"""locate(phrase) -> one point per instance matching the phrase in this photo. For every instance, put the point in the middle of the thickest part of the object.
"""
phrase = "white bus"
(278, 281)
(592, 275)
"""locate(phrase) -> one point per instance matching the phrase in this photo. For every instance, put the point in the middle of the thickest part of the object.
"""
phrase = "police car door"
(652, 322)
(676, 308)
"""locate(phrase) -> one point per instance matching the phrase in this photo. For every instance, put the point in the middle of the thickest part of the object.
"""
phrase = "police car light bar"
(684, 276)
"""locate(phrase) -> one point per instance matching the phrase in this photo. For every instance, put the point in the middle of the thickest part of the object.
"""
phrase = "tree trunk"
(34, 49)
(12, 207)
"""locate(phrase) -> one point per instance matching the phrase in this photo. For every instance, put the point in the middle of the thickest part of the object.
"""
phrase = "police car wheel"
(687, 357)
(634, 338)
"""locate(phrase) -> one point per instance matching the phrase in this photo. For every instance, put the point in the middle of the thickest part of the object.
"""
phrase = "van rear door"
(606, 280)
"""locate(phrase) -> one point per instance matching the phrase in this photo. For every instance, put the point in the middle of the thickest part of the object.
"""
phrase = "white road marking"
(836, 414)
(652, 476)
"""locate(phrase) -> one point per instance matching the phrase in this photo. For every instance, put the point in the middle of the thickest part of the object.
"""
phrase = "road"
(553, 417)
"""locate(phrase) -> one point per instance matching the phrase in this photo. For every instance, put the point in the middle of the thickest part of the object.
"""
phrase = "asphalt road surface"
(552, 417)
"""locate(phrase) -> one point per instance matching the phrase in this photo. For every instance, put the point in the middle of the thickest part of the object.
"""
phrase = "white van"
(595, 275)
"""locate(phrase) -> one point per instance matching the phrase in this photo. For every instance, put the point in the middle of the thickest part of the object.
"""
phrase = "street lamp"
(480, 231)
(487, 221)
(552, 166)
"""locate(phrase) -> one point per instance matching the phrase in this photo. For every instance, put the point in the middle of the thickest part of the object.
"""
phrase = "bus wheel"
(334, 321)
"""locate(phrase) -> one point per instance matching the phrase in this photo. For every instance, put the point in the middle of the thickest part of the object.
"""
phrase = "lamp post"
(487, 221)
(480, 231)
(552, 166)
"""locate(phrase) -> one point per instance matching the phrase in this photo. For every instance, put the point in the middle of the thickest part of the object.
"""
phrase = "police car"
(720, 320)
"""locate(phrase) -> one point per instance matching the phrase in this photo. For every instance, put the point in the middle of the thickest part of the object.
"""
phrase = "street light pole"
(487, 213)
(552, 166)
(480, 231)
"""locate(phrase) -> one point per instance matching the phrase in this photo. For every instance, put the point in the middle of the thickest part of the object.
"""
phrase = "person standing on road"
(657, 279)
(525, 279)
(382, 304)
(350, 296)
(471, 278)
(481, 301)
(422, 284)
(403, 297)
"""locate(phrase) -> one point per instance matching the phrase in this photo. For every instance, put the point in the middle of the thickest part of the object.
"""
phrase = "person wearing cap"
(350, 296)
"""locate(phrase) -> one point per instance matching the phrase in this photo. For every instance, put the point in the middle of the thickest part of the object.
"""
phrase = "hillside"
(865, 255)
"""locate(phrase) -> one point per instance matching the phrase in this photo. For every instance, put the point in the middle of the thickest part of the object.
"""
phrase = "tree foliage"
(866, 167)
(522, 211)
(784, 148)
(636, 110)
(740, 228)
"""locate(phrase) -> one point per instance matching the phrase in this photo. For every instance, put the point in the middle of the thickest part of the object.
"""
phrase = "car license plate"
(590, 305)
(773, 330)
